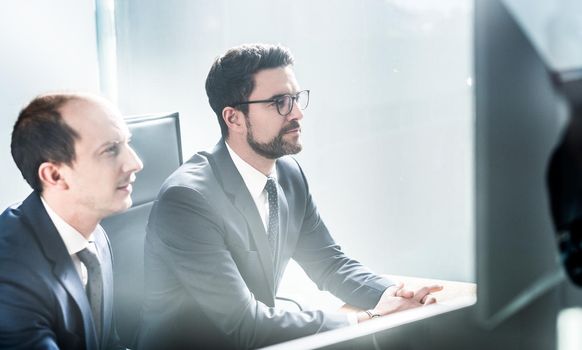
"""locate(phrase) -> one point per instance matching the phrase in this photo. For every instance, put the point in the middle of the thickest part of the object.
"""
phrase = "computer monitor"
(521, 114)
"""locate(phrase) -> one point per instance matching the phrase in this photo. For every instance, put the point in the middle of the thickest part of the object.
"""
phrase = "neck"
(73, 214)
(246, 153)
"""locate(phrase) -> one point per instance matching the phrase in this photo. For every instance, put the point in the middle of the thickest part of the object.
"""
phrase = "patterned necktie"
(273, 225)
(94, 285)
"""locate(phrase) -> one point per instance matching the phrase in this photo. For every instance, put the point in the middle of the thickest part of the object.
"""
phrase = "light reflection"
(554, 28)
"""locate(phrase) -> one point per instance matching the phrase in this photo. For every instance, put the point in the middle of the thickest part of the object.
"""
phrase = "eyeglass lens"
(285, 103)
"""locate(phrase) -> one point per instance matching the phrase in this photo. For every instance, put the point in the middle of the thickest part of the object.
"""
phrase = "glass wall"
(45, 46)
(388, 135)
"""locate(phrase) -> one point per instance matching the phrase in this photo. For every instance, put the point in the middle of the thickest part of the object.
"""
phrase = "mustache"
(292, 125)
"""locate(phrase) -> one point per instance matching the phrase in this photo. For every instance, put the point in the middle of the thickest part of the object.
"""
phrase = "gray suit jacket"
(211, 278)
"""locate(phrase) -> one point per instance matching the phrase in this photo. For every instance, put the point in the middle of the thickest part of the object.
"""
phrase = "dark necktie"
(94, 285)
(273, 224)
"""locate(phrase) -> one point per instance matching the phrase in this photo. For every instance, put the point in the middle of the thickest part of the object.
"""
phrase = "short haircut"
(41, 135)
(231, 77)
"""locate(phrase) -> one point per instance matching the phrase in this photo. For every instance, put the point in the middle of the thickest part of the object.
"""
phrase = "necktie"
(94, 285)
(273, 225)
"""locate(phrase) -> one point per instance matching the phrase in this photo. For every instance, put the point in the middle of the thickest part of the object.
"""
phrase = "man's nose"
(133, 163)
(296, 112)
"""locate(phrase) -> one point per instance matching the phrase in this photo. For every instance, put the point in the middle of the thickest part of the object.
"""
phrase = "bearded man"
(226, 223)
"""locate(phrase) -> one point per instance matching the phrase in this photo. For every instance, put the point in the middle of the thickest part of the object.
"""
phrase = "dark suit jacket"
(211, 279)
(42, 301)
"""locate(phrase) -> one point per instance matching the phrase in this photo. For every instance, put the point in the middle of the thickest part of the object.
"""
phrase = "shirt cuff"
(353, 318)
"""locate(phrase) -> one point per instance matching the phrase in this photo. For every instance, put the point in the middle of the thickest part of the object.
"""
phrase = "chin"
(122, 206)
(128, 202)
(293, 149)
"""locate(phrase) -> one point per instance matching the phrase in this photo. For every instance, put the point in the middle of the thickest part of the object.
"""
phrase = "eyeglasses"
(284, 103)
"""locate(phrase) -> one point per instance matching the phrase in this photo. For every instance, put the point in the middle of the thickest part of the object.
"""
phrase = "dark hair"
(41, 135)
(231, 77)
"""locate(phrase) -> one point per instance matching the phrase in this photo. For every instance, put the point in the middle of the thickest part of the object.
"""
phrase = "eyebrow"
(107, 144)
(115, 142)
(281, 95)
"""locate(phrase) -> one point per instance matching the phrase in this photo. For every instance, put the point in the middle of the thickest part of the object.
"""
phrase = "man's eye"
(281, 102)
(112, 150)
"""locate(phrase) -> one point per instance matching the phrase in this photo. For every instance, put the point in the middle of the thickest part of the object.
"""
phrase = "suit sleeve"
(114, 343)
(325, 263)
(190, 234)
(26, 315)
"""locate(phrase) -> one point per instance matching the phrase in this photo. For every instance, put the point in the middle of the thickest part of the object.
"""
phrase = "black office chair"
(564, 177)
(156, 140)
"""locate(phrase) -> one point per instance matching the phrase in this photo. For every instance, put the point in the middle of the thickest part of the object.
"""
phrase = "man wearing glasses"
(227, 222)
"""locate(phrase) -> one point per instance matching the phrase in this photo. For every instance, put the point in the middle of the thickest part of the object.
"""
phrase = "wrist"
(372, 313)
(367, 315)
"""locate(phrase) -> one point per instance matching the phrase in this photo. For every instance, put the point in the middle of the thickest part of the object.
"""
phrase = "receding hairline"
(72, 99)
(78, 104)
(77, 97)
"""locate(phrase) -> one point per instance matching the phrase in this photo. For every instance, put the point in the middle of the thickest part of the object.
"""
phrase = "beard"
(277, 147)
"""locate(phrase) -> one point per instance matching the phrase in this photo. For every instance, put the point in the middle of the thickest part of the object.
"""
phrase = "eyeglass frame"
(274, 99)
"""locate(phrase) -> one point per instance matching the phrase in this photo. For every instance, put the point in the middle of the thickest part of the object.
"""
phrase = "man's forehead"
(275, 81)
(80, 110)
(93, 118)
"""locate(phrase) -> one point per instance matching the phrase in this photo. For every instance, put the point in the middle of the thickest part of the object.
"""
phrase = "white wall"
(45, 46)
(388, 144)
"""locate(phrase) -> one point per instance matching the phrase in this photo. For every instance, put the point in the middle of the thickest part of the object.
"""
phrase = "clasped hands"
(396, 298)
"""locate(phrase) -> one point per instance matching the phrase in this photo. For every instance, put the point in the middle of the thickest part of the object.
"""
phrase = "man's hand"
(397, 298)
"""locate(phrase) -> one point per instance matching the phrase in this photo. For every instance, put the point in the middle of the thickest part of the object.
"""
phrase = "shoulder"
(290, 174)
(288, 164)
(21, 256)
(15, 231)
(11, 215)
(195, 175)
(192, 187)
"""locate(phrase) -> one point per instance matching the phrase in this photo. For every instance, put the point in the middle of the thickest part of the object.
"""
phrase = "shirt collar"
(73, 239)
(253, 179)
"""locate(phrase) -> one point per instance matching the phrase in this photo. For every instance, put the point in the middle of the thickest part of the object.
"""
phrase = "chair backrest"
(156, 140)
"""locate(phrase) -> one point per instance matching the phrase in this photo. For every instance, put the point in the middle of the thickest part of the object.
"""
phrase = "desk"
(454, 296)
(451, 293)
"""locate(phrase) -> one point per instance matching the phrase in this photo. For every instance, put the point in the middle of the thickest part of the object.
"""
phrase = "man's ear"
(234, 120)
(50, 175)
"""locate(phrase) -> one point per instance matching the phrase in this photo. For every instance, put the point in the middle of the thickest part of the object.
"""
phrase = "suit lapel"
(63, 268)
(234, 185)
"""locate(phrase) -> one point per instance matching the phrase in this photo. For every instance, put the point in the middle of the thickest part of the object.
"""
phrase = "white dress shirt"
(73, 239)
(255, 182)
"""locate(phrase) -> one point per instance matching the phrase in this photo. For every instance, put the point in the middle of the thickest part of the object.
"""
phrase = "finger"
(422, 293)
(394, 289)
(404, 293)
(426, 297)
(430, 300)
(435, 288)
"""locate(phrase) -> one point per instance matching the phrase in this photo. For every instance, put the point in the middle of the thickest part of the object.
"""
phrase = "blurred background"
(426, 141)
(388, 135)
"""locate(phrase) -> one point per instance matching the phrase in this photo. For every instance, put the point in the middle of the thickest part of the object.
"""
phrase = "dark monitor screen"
(519, 121)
